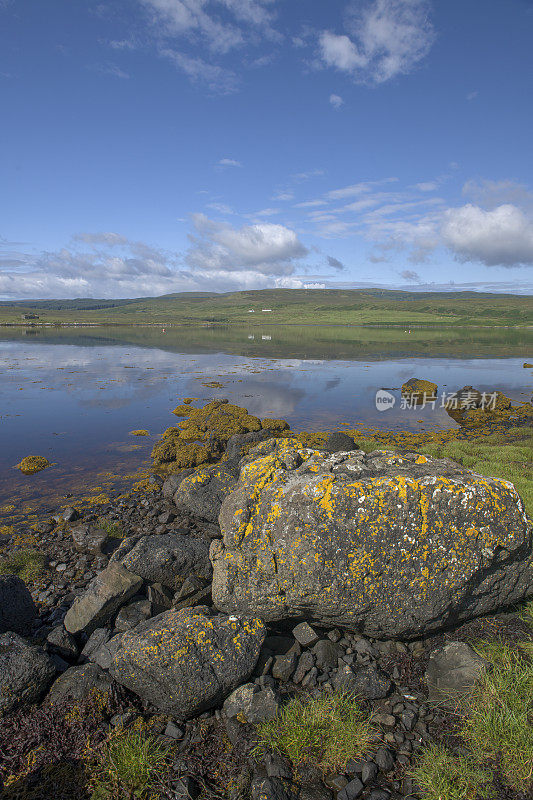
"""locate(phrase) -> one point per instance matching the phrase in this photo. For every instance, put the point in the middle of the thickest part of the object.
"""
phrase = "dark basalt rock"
(185, 662)
(17, 609)
(25, 672)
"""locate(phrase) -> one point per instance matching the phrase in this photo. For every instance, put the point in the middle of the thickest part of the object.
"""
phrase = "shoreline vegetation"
(284, 734)
(371, 307)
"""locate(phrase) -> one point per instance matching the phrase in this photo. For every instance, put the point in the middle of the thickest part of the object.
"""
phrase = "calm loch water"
(74, 395)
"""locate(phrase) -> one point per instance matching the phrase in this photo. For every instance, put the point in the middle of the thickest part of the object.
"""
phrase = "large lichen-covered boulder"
(185, 662)
(386, 544)
(25, 672)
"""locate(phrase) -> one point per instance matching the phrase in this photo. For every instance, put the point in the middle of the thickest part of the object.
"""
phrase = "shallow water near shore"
(75, 395)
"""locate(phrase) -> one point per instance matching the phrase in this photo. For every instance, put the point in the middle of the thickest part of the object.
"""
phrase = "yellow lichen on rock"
(32, 464)
(140, 432)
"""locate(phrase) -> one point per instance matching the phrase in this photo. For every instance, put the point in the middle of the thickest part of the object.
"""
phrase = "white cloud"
(264, 248)
(472, 95)
(336, 101)
(229, 162)
(110, 69)
(501, 236)
(495, 193)
(386, 38)
(427, 186)
(410, 275)
(357, 188)
(218, 79)
(335, 263)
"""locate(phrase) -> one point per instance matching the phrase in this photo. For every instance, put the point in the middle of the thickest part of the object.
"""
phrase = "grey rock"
(202, 493)
(234, 447)
(339, 442)
(173, 731)
(283, 666)
(105, 594)
(185, 662)
(384, 759)
(63, 643)
(17, 609)
(305, 635)
(370, 682)
(168, 559)
(70, 514)
(379, 794)
(160, 597)
(132, 614)
(26, 671)
(326, 654)
(170, 486)
(105, 654)
(251, 704)
(369, 772)
(305, 663)
(88, 539)
(355, 535)
(79, 683)
(314, 790)
(97, 638)
(452, 671)
(351, 790)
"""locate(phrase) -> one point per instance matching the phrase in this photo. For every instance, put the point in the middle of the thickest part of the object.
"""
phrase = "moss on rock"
(419, 390)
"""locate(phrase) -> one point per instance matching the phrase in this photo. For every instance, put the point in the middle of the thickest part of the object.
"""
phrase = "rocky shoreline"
(184, 611)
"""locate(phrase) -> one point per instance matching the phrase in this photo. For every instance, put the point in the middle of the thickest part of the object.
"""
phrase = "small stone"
(351, 790)
(305, 663)
(384, 759)
(70, 514)
(409, 719)
(63, 643)
(283, 667)
(174, 731)
(453, 671)
(369, 772)
(334, 635)
(326, 654)
(305, 635)
(379, 794)
(336, 782)
(385, 719)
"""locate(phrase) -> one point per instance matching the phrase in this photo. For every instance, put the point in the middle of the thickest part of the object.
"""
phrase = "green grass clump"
(497, 724)
(326, 730)
(27, 563)
(130, 765)
(445, 776)
(113, 529)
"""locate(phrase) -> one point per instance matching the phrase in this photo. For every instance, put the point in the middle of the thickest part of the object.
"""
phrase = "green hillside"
(286, 306)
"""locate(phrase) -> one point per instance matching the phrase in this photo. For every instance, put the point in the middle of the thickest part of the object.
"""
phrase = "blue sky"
(151, 146)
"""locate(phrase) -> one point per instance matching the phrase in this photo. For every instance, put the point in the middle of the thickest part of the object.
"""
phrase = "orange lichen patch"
(140, 432)
(32, 464)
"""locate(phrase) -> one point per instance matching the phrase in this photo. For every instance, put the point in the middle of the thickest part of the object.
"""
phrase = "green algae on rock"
(32, 464)
(419, 390)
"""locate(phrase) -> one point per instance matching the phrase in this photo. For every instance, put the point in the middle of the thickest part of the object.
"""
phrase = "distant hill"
(287, 307)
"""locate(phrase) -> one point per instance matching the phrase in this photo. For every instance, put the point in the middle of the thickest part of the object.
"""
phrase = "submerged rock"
(32, 464)
(184, 662)
(393, 546)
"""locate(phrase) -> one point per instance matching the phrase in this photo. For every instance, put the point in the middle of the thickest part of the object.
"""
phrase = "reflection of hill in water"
(303, 342)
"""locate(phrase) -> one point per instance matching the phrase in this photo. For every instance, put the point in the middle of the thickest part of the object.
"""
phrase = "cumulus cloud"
(501, 236)
(264, 248)
(336, 101)
(221, 258)
(384, 38)
(495, 193)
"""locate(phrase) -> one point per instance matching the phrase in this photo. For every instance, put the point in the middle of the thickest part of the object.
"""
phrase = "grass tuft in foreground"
(26, 563)
(498, 720)
(326, 730)
(130, 765)
(445, 776)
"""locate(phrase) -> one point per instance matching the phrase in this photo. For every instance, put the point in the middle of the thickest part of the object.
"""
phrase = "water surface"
(74, 395)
